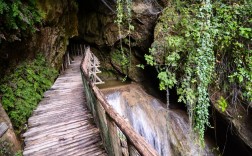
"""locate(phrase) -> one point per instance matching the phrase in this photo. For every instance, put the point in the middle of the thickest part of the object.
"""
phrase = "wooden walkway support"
(61, 125)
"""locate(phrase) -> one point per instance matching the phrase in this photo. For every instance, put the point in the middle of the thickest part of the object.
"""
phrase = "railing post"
(113, 135)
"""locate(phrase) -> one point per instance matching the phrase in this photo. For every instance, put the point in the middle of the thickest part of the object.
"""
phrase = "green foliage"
(150, 60)
(187, 46)
(198, 45)
(167, 79)
(233, 49)
(23, 89)
(121, 59)
(140, 66)
(5, 148)
(18, 18)
(19, 153)
(201, 44)
(124, 15)
(222, 103)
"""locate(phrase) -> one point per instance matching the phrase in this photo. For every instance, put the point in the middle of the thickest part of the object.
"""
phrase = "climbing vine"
(124, 15)
(23, 89)
(18, 18)
(201, 45)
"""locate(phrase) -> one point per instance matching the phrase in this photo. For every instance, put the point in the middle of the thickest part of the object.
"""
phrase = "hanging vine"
(124, 15)
(188, 50)
(198, 45)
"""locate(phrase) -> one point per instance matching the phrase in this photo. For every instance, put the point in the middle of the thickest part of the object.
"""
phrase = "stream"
(167, 131)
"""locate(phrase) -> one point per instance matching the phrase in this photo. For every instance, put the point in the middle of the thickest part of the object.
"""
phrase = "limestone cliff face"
(60, 24)
(97, 27)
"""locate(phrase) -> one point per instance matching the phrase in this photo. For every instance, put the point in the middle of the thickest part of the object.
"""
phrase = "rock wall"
(59, 24)
(97, 28)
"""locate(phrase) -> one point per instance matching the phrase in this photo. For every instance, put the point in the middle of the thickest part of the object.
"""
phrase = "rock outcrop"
(59, 24)
(97, 27)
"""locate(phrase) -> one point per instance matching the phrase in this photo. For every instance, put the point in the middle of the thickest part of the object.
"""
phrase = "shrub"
(23, 89)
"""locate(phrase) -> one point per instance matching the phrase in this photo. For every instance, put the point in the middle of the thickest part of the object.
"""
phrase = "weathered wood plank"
(61, 124)
(63, 144)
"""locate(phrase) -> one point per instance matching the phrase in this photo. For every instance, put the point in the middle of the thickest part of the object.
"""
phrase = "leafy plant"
(18, 18)
(202, 44)
(23, 89)
(187, 48)
(19, 153)
(5, 148)
(222, 103)
(124, 15)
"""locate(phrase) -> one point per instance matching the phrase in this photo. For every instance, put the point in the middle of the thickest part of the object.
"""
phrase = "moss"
(23, 89)
(120, 60)
(62, 13)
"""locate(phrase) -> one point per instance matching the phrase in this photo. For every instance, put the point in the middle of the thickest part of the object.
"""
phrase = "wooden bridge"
(64, 122)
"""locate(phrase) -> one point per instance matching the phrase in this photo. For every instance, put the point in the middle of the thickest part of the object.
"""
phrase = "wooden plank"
(66, 137)
(85, 140)
(61, 124)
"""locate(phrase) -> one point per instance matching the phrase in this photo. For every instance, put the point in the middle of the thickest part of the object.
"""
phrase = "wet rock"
(236, 118)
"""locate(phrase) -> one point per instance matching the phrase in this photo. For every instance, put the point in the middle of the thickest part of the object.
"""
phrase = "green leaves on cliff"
(18, 18)
(233, 50)
(123, 12)
(201, 44)
(23, 89)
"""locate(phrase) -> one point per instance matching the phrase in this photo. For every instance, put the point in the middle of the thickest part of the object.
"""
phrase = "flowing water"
(166, 130)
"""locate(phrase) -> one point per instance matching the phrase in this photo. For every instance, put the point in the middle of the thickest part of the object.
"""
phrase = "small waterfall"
(114, 100)
(155, 134)
(166, 130)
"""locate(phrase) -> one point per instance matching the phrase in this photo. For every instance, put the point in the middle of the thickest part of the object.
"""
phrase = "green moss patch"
(23, 89)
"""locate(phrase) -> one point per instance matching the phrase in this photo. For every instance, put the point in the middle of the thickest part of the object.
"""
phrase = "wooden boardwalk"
(61, 125)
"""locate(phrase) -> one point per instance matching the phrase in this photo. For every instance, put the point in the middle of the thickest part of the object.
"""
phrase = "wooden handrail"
(133, 137)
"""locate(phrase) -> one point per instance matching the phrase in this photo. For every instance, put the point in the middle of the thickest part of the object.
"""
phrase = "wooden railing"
(92, 64)
(72, 50)
(111, 124)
